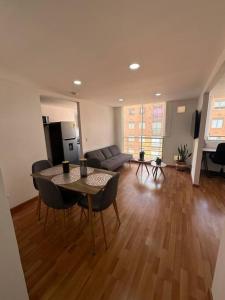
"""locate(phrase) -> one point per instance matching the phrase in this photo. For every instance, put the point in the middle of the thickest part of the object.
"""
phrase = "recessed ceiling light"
(121, 100)
(158, 94)
(77, 82)
(134, 66)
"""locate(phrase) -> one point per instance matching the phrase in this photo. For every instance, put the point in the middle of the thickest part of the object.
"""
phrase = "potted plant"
(183, 155)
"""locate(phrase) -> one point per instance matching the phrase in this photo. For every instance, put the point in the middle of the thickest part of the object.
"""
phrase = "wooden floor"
(166, 246)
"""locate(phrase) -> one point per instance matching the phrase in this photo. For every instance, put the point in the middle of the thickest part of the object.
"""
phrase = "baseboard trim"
(21, 206)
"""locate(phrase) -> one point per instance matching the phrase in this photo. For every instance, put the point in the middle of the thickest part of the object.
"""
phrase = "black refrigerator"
(61, 142)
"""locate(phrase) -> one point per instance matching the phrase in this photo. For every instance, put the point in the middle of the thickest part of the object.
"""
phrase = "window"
(157, 112)
(131, 138)
(131, 111)
(142, 110)
(156, 128)
(142, 125)
(215, 130)
(219, 104)
(217, 123)
(156, 142)
(131, 125)
(147, 125)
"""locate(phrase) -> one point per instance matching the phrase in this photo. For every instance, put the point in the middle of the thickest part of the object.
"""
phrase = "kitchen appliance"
(45, 119)
(61, 142)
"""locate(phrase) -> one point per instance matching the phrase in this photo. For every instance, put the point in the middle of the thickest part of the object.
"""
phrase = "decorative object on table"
(158, 161)
(65, 178)
(142, 155)
(156, 168)
(98, 179)
(83, 167)
(140, 164)
(183, 155)
(76, 171)
(66, 166)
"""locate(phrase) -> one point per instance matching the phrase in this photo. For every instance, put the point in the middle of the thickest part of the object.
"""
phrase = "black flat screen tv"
(195, 126)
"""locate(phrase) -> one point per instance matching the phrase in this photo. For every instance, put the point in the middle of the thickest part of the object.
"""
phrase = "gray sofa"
(109, 158)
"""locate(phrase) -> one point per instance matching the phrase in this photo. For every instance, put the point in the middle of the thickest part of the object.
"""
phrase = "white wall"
(200, 142)
(22, 139)
(178, 128)
(12, 283)
(97, 125)
(218, 287)
(59, 113)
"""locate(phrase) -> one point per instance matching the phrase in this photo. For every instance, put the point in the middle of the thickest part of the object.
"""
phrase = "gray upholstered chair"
(103, 200)
(56, 198)
(38, 166)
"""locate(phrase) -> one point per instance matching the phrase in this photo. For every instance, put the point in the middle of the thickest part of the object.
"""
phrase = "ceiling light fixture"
(77, 82)
(158, 94)
(121, 100)
(134, 66)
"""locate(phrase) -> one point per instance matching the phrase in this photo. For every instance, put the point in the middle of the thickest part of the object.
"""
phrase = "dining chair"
(102, 201)
(218, 157)
(39, 166)
(56, 198)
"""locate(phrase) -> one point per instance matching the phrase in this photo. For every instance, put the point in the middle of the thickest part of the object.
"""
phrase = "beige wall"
(22, 139)
(97, 125)
(178, 128)
(59, 113)
(12, 283)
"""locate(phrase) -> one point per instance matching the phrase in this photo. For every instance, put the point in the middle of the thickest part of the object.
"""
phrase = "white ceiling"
(52, 43)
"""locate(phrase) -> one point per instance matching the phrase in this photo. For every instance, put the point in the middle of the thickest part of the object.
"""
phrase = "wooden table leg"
(91, 224)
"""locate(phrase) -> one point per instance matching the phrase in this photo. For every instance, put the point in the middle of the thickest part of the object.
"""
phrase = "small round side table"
(156, 168)
(141, 163)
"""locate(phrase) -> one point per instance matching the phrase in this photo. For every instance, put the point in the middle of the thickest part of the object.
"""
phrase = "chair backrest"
(39, 166)
(50, 193)
(220, 147)
(219, 155)
(108, 195)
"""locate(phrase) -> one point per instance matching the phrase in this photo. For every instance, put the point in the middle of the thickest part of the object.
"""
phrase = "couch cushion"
(107, 153)
(111, 164)
(115, 162)
(114, 150)
(97, 154)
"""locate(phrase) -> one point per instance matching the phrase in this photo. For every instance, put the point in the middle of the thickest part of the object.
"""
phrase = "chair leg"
(103, 228)
(39, 207)
(46, 219)
(116, 211)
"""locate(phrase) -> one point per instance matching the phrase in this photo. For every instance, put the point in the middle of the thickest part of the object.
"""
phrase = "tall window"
(216, 116)
(144, 129)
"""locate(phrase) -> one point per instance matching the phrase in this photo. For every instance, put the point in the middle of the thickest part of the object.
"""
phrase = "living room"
(147, 104)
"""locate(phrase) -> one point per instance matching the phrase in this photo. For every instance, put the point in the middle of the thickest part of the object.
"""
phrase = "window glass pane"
(216, 116)
(143, 129)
